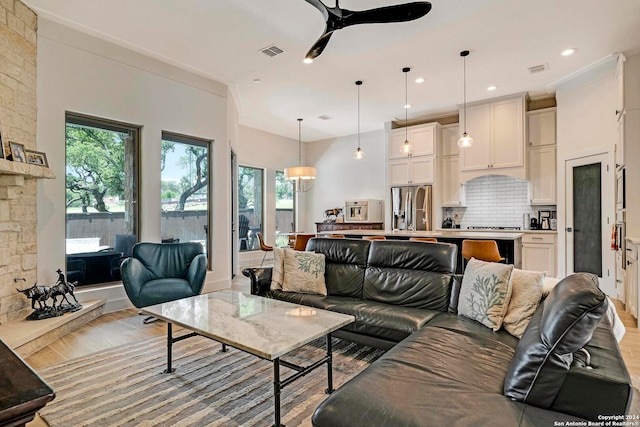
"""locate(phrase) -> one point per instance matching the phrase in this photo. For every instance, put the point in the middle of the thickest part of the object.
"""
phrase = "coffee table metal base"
(278, 384)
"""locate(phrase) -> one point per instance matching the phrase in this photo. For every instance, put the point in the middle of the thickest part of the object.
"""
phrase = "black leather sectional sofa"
(443, 369)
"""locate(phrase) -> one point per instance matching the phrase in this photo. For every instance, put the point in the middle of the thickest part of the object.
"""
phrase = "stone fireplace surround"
(18, 182)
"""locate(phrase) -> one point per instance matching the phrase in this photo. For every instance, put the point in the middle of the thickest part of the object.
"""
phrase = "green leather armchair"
(158, 273)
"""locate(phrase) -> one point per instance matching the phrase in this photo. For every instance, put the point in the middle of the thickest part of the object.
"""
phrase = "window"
(101, 197)
(185, 189)
(250, 209)
(285, 213)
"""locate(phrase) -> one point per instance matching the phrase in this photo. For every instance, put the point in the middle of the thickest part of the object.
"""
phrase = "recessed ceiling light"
(256, 81)
(492, 87)
(407, 106)
(568, 52)
(307, 60)
(420, 80)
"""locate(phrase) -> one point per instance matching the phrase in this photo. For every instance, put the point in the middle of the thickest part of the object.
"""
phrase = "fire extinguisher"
(614, 240)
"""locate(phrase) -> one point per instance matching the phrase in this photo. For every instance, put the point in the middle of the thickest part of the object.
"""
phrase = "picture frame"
(37, 158)
(17, 152)
(1, 144)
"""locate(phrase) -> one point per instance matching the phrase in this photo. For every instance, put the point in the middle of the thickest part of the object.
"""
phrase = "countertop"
(500, 231)
(634, 240)
(450, 233)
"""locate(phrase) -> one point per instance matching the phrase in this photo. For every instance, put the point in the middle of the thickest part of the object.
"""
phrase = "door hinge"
(607, 168)
(608, 273)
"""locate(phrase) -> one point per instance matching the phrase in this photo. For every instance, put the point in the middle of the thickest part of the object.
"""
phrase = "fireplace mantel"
(8, 167)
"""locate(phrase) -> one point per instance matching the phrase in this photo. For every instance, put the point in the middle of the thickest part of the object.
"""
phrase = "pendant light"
(300, 175)
(359, 154)
(466, 141)
(406, 147)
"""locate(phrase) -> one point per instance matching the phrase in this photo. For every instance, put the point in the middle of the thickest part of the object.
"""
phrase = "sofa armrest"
(260, 279)
(455, 293)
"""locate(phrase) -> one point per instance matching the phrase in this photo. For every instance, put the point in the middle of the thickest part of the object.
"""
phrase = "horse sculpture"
(41, 294)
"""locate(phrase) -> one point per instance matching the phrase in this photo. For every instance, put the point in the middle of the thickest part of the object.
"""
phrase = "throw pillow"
(304, 272)
(526, 293)
(485, 292)
(277, 274)
(549, 284)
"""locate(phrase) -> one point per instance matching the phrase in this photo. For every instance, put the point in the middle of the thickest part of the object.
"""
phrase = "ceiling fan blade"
(397, 13)
(319, 45)
(320, 6)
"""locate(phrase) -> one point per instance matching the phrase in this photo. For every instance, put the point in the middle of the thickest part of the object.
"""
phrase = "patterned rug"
(125, 386)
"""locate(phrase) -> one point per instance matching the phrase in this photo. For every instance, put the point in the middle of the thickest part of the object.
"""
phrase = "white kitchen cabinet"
(451, 188)
(411, 170)
(620, 144)
(449, 140)
(542, 175)
(631, 283)
(422, 137)
(542, 127)
(539, 252)
(497, 129)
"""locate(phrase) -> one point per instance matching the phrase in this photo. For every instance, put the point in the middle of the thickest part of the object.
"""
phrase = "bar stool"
(485, 250)
(374, 238)
(264, 247)
(423, 239)
(301, 241)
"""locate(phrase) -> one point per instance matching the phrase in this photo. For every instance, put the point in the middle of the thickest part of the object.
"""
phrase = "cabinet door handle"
(618, 112)
(536, 238)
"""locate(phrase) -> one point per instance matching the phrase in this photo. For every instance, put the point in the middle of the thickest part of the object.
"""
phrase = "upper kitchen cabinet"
(422, 137)
(628, 83)
(542, 175)
(449, 141)
(411, 170)
(497, 129)
(542, 127)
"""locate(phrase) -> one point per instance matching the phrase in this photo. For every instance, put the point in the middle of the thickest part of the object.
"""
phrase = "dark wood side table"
(22, 391)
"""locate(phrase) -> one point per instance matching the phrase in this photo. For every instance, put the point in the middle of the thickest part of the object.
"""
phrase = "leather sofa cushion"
(391, 323)
(450, 372)
(345, 260)
(561, 325)
(412, 274)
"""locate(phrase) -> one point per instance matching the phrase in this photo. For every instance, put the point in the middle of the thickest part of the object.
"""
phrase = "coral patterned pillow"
(304, 272)
(485, 292)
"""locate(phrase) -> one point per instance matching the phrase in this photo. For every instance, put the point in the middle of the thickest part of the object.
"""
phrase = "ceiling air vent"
(272, 50)
(538, 68)
(325, 117)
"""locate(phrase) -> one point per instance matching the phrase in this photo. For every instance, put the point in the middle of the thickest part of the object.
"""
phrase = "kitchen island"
(509, 244)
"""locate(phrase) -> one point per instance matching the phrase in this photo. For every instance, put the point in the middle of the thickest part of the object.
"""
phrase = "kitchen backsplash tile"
(495, 201)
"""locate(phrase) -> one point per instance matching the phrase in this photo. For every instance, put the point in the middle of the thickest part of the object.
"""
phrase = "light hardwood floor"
(113, 329)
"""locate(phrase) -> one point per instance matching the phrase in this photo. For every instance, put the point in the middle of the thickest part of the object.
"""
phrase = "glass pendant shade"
(466, 141)
(359, 154)
(406, 147)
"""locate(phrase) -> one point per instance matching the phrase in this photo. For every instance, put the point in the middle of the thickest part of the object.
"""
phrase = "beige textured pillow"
(485, 292)
(277, 274)
(549, 284)
(526, 293)
(304, 272)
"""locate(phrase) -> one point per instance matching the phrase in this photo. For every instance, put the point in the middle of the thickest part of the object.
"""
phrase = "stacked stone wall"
(18, 194)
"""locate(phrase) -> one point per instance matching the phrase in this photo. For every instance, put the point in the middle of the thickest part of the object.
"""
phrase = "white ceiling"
(222, 39)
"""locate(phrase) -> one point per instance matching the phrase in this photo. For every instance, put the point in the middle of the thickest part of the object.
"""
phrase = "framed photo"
(1, 144)
(17, 152)
(37, 158)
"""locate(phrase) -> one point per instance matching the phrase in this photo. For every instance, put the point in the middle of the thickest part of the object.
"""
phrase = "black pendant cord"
(358, 83)
(299, 142)
(406, 103)
(464, 55)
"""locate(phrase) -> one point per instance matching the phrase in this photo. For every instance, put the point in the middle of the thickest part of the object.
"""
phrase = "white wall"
(340, 177)
(82, 74)
(586, 125)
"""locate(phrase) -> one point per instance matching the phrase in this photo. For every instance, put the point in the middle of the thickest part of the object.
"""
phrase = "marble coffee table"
(260, 326)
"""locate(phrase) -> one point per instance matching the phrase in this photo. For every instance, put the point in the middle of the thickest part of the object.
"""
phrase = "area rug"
(125, 386)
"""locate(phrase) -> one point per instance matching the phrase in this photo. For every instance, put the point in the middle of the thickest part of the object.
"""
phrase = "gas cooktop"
(484, 227)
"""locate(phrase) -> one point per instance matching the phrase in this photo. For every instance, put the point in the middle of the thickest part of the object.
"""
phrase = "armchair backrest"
(167, 260)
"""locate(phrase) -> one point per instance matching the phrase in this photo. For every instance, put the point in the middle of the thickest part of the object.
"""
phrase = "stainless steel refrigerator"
(411, 208)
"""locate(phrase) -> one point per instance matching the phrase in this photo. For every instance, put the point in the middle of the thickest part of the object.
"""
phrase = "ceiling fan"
(337, 18)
